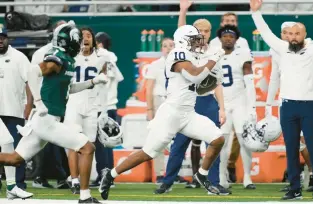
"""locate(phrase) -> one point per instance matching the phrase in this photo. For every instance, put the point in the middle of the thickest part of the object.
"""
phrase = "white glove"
(101, 78)
(41, 108)
(217, 55)
(268, 110)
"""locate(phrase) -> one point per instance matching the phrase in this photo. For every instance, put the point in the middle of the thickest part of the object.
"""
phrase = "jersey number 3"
(90, 73)
(228, 76)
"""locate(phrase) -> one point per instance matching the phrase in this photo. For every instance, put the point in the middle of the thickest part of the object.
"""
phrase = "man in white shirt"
(296, 113)
(272, 90)
(13, 85)
(103, 41)
(40, 180)
(230, 19)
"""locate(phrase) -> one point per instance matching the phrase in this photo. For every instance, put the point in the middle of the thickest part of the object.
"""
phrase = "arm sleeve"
(274, 82)
(272, 40)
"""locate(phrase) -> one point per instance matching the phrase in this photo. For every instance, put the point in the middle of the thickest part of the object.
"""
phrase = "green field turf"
(144, 192)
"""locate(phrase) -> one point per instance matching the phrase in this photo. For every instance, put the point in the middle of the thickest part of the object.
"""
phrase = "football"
(207, 85)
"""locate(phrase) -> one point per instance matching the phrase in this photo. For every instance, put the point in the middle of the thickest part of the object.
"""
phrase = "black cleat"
(193, 184)
(89, 200)
(293, 195)
(76, 188)
(250, 187)
(206, 183)
(164, 188)
(223, 191)
(106, 182)
(62, 184)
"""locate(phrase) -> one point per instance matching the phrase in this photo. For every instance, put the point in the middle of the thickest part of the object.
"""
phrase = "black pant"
(11, 123)
(294, 117)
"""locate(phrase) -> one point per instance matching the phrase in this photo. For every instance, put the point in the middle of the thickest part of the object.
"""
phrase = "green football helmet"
(68, 37)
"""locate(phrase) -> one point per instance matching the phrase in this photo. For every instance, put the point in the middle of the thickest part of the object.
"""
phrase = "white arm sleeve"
(196, 79)
(272, 40)
(250, 90)
(78, 87)
(274, 83)
(34, 75)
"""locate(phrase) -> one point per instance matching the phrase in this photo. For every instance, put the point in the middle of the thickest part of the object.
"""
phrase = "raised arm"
(184, 6)
(272, 40)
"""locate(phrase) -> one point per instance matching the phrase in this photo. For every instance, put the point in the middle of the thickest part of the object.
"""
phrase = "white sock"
(75, 181)
(224, 155)
(311, 173)
(9, 170)
(85, 194)
(246, 155)
(114, 174)
(203, 172)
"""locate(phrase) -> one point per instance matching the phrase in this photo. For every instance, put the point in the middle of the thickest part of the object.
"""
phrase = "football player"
(177, 113)
(210, 104)
(82, 107)
(6, 144)
(239, 98)
(50, 99)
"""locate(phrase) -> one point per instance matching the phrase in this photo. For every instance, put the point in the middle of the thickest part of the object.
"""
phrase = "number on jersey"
(90, 73)
(180, 56)
(228, 76)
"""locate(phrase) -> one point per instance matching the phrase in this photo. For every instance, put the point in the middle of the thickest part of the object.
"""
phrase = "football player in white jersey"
(273, 88)
(239, 98)
(83, 107)
(205, 105)
(177, 113)
(6, 144)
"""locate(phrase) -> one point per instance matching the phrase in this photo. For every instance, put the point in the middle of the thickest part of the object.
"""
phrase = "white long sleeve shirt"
(296, 69)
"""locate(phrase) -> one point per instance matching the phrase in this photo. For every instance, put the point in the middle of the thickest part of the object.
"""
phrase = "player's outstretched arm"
(272, 40)
(184, 6)
(78, 87)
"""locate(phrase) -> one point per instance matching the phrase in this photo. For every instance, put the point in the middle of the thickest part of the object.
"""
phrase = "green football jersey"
(55, 87)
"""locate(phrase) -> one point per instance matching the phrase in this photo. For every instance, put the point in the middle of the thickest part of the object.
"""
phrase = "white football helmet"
(188, 37)
(269, 128)
(252, 140)
(109, 132)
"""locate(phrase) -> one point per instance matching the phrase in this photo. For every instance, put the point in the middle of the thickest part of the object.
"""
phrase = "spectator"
(13, 86)
(103, 41)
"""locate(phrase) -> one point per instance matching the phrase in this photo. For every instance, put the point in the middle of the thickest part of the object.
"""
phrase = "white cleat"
(16, 192)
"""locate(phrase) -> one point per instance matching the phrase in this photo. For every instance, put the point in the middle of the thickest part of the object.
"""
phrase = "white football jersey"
(232, 65)
(86, 68)
(179, 90)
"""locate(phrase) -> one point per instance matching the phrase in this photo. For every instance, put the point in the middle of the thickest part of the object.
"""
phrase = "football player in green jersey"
(50, 99)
